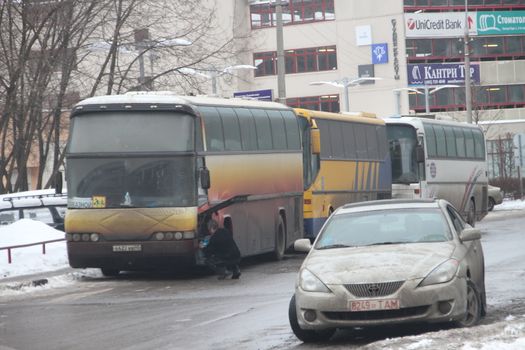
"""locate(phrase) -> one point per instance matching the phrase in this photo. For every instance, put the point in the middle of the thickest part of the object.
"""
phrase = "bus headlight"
(94, 237)
(159, 236)
(169, 235)
(76, 237)
(178, 236)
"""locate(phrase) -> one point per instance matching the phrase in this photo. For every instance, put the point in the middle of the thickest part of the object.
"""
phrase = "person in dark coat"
(222, 253)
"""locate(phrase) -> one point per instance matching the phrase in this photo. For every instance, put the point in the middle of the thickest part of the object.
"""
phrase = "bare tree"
(54, 52)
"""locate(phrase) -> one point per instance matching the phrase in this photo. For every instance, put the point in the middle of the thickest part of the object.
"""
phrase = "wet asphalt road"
(173, 311)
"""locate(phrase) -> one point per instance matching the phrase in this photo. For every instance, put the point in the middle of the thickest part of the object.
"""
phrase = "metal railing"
(43, 243)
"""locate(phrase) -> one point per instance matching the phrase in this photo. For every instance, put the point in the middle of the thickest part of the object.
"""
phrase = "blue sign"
(261, 95)
(379, 53)
(432, 74)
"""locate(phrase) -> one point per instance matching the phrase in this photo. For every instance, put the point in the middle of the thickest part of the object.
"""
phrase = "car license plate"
(369, 305)
(127, 248)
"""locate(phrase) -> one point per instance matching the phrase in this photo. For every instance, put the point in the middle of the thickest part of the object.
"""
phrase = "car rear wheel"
(473, 314)
(306, 335)
(492, 203)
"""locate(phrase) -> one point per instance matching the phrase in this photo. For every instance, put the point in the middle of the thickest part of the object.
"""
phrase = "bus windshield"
(132, 182)
(402, 141)
(131, 131)
(131, 159)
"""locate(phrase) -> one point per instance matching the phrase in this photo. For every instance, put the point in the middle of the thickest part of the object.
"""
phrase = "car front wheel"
(492, 203)
(306, 335)
(473, 314)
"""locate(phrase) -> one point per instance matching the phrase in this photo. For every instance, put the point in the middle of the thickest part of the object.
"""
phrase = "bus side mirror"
(58, 183)
(420, 154)
(205, 178)
(315, 136)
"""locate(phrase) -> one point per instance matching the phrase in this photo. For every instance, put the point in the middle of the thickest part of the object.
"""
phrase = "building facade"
(333, 40)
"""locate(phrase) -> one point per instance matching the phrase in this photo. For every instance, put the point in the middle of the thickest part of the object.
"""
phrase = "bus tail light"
(416, 191)
(308, 201)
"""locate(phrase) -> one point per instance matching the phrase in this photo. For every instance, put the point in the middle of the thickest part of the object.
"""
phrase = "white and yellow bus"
(439, 159)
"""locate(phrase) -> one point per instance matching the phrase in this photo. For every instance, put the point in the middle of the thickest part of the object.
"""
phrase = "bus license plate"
(369, 305)
(127, 248)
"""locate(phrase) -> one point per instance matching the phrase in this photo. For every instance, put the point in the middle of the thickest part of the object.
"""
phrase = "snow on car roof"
(32, 199)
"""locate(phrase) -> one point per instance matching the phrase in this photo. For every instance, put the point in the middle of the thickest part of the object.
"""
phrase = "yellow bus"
(353, 164)
(146, 170)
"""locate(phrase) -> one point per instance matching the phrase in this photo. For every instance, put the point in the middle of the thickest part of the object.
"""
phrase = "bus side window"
(248, 132)
(371, 142)
(469, 143)
(460, 142)
(336, 138)
(326, 146)
(431, 140)
(264, 132)
(382, 141)
(292, 130)
(213, 129)
(349, 141)
(441, 144)
(360, 140)
(278, 130)
(451, 142)
(232, 133)
(479, 145)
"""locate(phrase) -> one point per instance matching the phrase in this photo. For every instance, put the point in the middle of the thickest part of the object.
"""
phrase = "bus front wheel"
(109, 272)
(280, 240)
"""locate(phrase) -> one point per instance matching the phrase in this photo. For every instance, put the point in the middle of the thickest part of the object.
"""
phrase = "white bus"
(439, 159)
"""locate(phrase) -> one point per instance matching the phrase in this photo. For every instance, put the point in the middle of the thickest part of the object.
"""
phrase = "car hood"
(374, 264)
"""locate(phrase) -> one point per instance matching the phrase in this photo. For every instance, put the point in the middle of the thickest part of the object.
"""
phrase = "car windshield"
(380, 227)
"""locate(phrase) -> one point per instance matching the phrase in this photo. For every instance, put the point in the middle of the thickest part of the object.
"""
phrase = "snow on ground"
(30, 260)
(510, 205)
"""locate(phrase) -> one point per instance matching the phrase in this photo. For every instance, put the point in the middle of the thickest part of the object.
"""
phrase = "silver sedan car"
(389, 262)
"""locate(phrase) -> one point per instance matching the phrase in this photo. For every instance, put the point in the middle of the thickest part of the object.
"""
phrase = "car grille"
(377, 314)
(364, 290)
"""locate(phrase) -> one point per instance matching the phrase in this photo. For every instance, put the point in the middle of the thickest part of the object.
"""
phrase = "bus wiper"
(331, 246)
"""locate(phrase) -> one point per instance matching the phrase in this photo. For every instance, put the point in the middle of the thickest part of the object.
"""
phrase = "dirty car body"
(389, 262)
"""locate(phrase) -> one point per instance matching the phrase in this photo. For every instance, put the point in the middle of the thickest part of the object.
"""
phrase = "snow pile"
(510, 205)
(29, 260)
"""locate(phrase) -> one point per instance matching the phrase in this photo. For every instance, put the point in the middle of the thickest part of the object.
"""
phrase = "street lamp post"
(428, 90)
(213, 75)
(345, 83)
(468, 88)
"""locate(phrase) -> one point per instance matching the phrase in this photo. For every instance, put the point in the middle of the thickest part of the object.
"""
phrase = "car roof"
(27, 199)
(389, 204)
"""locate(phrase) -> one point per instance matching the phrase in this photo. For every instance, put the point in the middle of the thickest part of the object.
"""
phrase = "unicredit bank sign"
(441, 24)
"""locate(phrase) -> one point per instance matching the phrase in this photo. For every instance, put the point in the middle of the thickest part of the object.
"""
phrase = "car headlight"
(441, 274)
(310, 283)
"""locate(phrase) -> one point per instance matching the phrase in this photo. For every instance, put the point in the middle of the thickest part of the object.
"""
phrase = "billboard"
(501, 22)
(261, 95)
(439, 24)
(434, 74)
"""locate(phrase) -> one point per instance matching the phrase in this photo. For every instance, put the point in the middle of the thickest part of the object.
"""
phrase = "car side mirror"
(205, 178)
(470, 234)
(302, 245)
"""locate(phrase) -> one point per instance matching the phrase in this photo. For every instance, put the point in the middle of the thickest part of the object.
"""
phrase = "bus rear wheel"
(471, 213)
(280, 240)
(109, 272)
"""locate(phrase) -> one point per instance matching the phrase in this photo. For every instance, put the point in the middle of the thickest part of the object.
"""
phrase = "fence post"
(9, 255)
